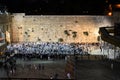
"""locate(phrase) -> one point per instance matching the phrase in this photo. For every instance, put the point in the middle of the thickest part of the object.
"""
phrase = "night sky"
(58, 7)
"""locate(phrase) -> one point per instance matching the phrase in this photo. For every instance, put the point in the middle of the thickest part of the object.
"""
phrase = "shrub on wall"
(86, 33)
(38, 39)
(32, 29)
(26, 33)
(76, 21)
(74, 34)
(60, 40)
(66, 32)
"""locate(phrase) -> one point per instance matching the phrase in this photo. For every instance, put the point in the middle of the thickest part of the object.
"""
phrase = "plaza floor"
(84, 70)
(96, 70)
(31, 69)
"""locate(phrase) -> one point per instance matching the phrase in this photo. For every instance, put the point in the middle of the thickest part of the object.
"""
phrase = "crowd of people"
(44, 48)
(48, 49)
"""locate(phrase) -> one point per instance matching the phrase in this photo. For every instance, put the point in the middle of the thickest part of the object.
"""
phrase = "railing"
(105, 35)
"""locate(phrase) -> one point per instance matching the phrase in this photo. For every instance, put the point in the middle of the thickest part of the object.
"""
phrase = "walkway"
(95, 70)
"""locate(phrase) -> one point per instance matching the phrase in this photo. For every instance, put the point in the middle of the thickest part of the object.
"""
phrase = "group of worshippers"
(10, 66)
(44, 48)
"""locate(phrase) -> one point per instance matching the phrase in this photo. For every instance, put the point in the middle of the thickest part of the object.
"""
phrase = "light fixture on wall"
(109, 13)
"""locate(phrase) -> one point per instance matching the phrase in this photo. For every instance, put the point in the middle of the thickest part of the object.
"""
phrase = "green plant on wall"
(74, 34)
(32, 29)
(66, 32)
(38, 39)
(76, 21)
(86, 33)
(26, 33)
(60, 40)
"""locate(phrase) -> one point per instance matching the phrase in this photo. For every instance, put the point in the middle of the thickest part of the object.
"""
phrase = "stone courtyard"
(37, 69)
(91, 69)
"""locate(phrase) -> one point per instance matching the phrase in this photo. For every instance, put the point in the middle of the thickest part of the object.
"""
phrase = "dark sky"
(74, 7)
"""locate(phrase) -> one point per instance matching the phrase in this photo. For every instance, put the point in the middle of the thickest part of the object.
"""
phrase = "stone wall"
(53, 28)
(5, 27)
(5, 30)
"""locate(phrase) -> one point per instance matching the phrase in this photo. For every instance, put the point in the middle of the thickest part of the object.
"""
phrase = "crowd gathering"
(44, 48)
(48, 48)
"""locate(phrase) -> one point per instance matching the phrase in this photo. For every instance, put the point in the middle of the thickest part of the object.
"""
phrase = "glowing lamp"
(109, 13)
(117, 5)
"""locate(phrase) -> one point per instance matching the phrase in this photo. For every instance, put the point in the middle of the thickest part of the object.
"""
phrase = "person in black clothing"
(55, 76)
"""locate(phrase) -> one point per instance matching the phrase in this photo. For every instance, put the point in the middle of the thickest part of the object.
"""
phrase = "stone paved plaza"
(36, 69)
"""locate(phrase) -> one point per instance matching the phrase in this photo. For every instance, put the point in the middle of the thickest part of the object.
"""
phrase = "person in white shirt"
(68, 75)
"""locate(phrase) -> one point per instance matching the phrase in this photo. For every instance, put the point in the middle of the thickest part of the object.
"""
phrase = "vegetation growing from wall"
(60, 40)
(86, 33)
(38, 39)
(67, 32)
(26, 33)
(74, 34)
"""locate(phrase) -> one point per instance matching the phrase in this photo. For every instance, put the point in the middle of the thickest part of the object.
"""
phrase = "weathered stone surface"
(50, 28)
(5, 28)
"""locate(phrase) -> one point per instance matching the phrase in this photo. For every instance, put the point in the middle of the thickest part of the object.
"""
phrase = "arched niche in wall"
(2, 37)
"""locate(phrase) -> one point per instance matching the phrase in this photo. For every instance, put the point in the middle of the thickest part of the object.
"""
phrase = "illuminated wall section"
(5, 25)
(58, 28)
